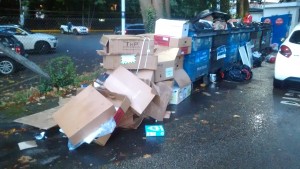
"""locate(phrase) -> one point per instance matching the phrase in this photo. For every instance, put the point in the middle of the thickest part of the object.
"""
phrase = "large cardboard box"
(182, 87)
(121, 103)
(176, 28)
(127, 44)
(124, 82)
(129, 61)
(83, 114)
(145, 75)
(168, 61)
(171, 41)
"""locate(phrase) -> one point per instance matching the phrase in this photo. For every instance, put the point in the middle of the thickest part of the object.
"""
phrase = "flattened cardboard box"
(146, 76)
(127, 44)
(182, 87)
(168, 61)
(129, 61)
(124, 82)
(176, 28)
(172, 42)
(83, 114)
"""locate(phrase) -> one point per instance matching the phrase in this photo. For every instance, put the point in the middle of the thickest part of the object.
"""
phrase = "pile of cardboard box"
(145, 74)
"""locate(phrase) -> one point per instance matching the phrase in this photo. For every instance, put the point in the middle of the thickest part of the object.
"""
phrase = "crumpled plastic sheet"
(106, 128)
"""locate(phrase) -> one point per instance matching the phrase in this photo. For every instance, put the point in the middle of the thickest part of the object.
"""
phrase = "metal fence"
(54, 23)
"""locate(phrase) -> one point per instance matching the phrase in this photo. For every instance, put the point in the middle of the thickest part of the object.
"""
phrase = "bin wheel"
(205, 80)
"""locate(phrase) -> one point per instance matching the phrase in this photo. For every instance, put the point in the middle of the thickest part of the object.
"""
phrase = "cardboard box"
(157, 108)
(154, 130)
(130, 120)
(182, 87)
(168, 61)
(102, 140)
(83, 114)
(172, 42)
(127, 44)
(145, 75)
(176, 28)
(182, 50)
(121, 103)
(129, 61)
(124, 82)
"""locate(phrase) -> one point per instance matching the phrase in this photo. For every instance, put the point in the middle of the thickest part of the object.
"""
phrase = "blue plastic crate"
(231, 54)
(196, 64)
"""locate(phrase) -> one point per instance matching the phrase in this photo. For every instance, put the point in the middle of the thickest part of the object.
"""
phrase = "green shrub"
(62, 73)
(150, 22)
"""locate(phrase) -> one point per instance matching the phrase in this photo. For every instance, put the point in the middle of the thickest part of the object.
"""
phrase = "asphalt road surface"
(81, 48)
(226, 125)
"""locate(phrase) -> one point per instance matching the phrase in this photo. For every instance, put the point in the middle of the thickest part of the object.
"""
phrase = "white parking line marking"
(293, 98)
(290, 103)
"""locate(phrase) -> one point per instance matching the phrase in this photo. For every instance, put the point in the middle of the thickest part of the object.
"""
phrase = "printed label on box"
(127, 59)
(169, 72)
(154, 130)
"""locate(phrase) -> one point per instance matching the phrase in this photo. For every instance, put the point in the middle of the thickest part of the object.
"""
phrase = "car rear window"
(295, 38)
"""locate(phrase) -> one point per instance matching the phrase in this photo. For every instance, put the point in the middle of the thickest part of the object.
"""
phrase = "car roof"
(135, 24)
(10, 25)
(5, 34)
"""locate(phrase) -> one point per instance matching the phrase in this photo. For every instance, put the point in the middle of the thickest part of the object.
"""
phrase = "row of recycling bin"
(213, 50)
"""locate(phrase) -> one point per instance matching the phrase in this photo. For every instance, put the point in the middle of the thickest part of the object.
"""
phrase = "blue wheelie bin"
(196, 64)
(218, 50)
(233, 43)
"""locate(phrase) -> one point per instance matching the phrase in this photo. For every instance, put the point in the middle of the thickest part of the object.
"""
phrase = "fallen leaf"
(204, 122)
(147, 156)
(26, 159)
(202, 84)
(236, 116)
(206, 94)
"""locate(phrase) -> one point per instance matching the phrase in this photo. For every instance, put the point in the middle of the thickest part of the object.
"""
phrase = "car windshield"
(28, 31)
(295, 38)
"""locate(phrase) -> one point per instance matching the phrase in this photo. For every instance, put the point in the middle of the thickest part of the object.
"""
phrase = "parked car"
(70, 28)
(38, 42)
(131, 29)
(287, 64)
(7, 64)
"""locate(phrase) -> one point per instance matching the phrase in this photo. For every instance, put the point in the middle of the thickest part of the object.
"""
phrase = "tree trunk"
(145, 4)
(168, 8)
(158, 5)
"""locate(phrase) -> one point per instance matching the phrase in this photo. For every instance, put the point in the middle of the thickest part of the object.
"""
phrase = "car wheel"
(75, 32)
(7, 66)
(62, 31)
(42, 47)
(277, 83)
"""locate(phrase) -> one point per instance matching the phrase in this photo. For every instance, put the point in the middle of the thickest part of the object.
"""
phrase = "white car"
(38, 42)
(74, 29)
(287, 64)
